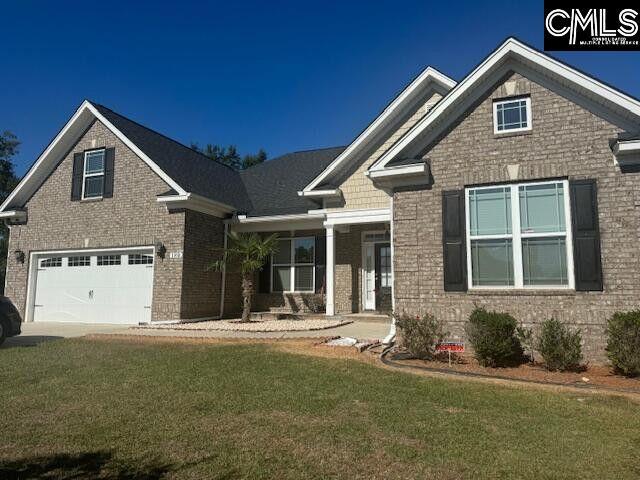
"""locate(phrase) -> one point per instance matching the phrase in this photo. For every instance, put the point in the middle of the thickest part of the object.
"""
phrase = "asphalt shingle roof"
(270, 188)
(191, 170)
(273, 186)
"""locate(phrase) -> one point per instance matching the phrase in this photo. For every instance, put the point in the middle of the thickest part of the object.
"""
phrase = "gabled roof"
(194, 172)
(273, 186)
(266, 189)
(511, 52)
(428, 78)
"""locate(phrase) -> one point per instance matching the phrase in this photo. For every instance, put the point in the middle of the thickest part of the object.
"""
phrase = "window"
(51, 262)
(512, 115)
(108, 260)
(79, 261)
(293, 265)
(534, 253)
(93, 174)
(140, 259)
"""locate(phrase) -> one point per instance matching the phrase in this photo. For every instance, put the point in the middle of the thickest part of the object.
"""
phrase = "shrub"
(493, 338)
(559, 346)
(420, 335)
(623, 342)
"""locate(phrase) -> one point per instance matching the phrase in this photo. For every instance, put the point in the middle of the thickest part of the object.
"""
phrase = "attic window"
(512, 115)
(93, 174)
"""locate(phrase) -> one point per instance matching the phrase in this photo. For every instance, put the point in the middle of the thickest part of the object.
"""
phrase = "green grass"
(94, 409)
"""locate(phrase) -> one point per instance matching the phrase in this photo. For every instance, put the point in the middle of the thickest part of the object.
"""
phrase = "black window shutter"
(321, 246)
(453, 241)
(76, 179)
(586, 235)
(264, 278)
(109, 161)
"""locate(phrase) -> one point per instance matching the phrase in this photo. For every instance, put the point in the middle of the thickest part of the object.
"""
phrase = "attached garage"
(108, 286)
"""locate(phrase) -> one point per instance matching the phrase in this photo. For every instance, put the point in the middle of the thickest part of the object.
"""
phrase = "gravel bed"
(253, 326)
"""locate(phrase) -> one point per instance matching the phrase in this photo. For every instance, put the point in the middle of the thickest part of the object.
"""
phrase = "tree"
(8, 180)
(230, 156)
(248, 251)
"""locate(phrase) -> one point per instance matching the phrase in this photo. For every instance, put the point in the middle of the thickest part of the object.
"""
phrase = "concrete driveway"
(34, 333)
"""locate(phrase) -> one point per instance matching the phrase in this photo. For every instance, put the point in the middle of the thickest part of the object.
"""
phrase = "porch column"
(330, 270)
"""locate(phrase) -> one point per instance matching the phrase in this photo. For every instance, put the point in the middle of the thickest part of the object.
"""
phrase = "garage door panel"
(97, 292)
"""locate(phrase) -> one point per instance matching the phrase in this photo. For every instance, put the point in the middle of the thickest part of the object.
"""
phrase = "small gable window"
(93, 174)
(512, 115)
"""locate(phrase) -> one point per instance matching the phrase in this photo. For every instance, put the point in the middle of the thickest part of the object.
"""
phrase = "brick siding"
(567, 140)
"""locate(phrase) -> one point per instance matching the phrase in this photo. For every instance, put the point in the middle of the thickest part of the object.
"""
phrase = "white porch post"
(330, 270)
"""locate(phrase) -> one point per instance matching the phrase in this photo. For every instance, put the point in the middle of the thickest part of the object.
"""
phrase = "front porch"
(340, 263)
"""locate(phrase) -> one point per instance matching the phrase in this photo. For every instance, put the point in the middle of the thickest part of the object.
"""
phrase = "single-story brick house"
(516, 188)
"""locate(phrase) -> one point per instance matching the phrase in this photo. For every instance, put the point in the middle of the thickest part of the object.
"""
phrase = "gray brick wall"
(131, 218)
(567, 140)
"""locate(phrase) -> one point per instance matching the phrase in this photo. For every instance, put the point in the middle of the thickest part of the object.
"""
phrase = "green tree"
(230, 156)
(248, 251)
(8, 180)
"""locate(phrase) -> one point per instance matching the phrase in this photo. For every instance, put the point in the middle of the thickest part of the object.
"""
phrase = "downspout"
(389, 339)
(224, 272)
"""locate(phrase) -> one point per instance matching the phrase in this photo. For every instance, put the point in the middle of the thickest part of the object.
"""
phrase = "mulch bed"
(591, 376)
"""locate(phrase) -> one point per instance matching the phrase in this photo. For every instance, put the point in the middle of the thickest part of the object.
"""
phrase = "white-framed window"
(519, 236)
(140, 259)
(104, 260)
(93, 174)
(51, 262)
(81, 261)
(293, 265)
(512, 115)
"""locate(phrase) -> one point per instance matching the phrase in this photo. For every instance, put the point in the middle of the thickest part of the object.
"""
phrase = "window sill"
(523, 292)
(92, 199)
(509, 134)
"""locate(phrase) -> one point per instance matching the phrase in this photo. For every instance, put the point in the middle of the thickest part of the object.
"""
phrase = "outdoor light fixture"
(19, 256)
(160, 249)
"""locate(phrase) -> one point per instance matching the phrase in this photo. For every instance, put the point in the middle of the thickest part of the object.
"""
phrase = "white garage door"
(96, 287)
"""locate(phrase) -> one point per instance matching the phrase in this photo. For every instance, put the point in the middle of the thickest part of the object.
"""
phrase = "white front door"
(95, 287)
(369, 276)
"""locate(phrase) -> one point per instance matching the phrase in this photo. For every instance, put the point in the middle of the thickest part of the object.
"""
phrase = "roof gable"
(511, 55)
(429, 80)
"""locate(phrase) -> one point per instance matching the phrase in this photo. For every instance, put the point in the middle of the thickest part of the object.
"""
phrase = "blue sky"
(285, 76)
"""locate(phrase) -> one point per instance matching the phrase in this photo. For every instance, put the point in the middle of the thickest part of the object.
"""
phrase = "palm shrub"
(623, 342)
(420, 335)
(493, 336)
(559, 346)
(249, 251)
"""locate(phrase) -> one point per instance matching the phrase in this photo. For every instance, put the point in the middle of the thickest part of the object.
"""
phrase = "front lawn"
(124, 410)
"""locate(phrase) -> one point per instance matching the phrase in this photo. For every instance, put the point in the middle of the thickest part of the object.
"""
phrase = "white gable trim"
(510, 47)
(198, 203)
(80, 120)
(430, 74)
(154, 166)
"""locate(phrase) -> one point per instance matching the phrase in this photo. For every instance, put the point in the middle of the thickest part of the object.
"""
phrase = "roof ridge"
(96, 104)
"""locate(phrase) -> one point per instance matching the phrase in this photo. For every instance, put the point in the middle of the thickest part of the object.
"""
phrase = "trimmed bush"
(494, 338)
(559, 346)
(623, 342)
(420, 335)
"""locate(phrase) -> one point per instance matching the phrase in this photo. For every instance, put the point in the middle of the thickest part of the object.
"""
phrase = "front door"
(377, 276)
